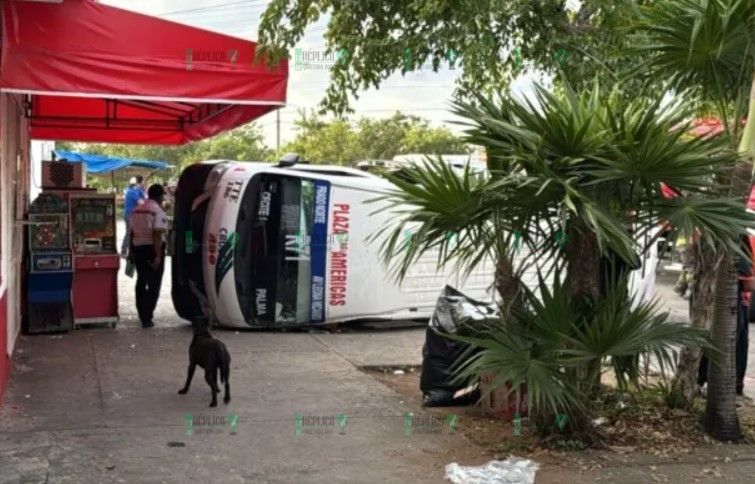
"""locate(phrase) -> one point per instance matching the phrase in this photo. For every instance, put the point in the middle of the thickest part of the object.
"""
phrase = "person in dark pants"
(134, 197)
(745, 286)
(148, 225)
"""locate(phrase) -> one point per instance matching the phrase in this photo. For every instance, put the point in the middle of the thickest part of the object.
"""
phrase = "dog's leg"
(227, 396)
(225, 375)
(189, 376)
(211, 376)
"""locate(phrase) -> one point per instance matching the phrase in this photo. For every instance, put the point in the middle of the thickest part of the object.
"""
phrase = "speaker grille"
(61, 174)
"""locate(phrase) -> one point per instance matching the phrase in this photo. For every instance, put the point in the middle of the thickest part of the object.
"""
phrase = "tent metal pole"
(277, 132)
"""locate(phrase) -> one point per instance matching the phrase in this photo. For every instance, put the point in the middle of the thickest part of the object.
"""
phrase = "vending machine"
(95, 258)
(50, 266)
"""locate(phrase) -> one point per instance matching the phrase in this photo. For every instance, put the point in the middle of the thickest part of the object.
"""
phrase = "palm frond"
(707, 45)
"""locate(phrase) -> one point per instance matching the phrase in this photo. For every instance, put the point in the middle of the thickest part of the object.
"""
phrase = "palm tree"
(576, 182)
(708, 47)
(559, 352)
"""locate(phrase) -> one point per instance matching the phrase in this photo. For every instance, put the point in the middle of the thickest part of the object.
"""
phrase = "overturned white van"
(264, 245)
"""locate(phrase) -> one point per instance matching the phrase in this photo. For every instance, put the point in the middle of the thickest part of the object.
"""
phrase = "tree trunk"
(720, 419)
(583, 265)
(507, 283)
(583, 283)
(701, 316)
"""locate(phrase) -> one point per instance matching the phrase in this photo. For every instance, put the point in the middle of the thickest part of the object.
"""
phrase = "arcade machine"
(50, 266)
(95, 258)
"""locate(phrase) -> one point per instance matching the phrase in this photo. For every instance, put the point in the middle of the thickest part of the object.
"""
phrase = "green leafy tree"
(575, 187)
(435, 141)
(489, 40)
(708, 48)
(402, 134)
(382, 138)
(342, 142)
(335, 142)
(242, 144)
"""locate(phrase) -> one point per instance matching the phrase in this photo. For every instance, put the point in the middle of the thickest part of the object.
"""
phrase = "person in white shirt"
(148, 224)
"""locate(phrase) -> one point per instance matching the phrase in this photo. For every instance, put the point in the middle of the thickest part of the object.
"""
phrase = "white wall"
(40, 151)
(14, 184)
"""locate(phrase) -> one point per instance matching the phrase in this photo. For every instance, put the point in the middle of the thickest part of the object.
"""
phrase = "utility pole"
(278, 132)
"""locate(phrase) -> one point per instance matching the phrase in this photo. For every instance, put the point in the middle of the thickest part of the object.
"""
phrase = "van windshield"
(284, 228)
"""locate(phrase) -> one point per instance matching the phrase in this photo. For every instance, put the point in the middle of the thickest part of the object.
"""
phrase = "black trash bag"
(454, 313)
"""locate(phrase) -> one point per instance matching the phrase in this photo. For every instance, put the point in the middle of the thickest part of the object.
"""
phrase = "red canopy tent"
(98, 73)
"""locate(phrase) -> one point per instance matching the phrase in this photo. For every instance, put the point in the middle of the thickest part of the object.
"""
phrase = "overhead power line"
(214, 7)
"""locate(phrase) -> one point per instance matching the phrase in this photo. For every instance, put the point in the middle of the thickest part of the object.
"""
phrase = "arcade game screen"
(50, 233)
(93, 224)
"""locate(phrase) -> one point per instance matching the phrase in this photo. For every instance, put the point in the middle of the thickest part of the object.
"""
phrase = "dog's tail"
(225, 363)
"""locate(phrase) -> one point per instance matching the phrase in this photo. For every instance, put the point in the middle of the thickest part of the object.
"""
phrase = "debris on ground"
(510, 471)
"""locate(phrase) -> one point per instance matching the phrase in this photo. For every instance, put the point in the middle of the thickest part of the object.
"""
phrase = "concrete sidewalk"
(101, 405)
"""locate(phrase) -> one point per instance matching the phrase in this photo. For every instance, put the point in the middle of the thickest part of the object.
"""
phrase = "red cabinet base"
(95, 289)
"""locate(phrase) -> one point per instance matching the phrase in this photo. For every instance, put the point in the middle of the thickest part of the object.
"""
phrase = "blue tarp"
(105, 164)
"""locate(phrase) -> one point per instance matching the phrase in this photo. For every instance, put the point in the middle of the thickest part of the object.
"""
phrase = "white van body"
(327, 268)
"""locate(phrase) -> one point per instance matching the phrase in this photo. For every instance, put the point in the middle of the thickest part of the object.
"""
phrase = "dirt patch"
(491, 438)
(640, 425)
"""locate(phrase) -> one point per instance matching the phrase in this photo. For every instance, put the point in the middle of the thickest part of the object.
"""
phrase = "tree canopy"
(343, 142)
(490, 40)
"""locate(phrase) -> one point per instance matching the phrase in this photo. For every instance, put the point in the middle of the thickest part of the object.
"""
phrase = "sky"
(422, 93)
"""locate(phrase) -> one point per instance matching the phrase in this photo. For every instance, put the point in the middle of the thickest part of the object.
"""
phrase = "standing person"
(134, 196)
(148, 224)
